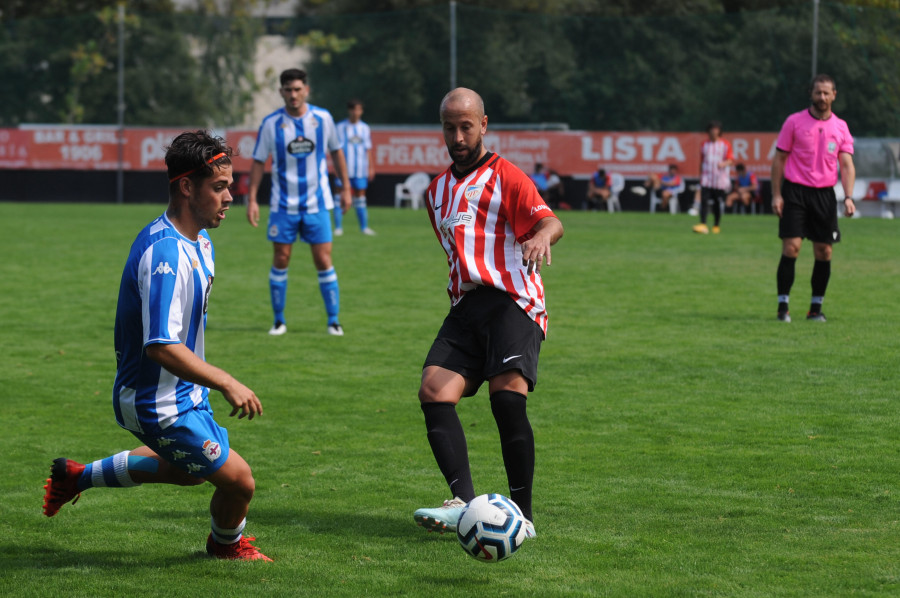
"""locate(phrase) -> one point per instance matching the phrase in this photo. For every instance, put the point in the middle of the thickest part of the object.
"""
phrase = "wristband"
(850, 198)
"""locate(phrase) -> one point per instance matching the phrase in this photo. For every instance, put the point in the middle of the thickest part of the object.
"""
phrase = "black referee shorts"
(486, 334)
(809, 213)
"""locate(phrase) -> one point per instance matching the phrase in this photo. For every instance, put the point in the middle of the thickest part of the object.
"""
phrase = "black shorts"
(486, 334)
(809, 213)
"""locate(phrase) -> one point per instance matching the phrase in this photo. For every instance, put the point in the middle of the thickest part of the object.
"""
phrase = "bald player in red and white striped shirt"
(496, 231)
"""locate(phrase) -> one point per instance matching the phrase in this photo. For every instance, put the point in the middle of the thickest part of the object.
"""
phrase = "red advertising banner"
(396, 151)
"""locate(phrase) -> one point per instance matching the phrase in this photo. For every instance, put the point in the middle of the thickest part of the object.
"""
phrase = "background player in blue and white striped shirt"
(299, 137)
(161, 392)
(356, 141)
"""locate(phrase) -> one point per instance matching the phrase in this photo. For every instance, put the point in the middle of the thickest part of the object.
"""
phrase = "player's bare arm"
(340, 170)
(256, 175)
(543, 235)
(848, 179)
(777, 176)
(184, 363)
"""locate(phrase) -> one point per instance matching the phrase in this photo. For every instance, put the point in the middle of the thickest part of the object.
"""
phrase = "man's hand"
(253, 213)
(777, 205)
(849, 208)
(346, 198)
(242, 399)
(545, 233)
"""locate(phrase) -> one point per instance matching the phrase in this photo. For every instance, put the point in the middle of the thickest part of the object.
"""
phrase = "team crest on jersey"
(273, 230)
(831, 147)
(211, 450)
(355, 139)
(164, 268)
(473, 191)
(301, 146)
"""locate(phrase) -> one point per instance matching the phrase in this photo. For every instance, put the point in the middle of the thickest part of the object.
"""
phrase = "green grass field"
(688, 444)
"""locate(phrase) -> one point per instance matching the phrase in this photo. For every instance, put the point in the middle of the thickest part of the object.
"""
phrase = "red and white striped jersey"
(712, 153)
(481, 220)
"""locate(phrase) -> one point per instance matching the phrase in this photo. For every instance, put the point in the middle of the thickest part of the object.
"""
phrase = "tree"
(180, 68)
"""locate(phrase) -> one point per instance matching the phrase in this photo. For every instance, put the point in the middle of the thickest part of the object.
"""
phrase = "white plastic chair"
(891, 199)
(616, 185)
(412, 190)
(656, 200)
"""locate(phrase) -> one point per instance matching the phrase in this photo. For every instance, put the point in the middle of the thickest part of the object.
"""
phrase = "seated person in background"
(556, 195)
(539, 178)
(665, 186)
(598, 189)
(745, 188)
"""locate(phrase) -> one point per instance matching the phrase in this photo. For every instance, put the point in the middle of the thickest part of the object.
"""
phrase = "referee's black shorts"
(487, 334)
(809, 213)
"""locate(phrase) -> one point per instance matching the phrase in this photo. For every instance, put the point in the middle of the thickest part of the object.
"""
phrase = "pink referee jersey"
(813, 146)
(713, 153)
(481, 221)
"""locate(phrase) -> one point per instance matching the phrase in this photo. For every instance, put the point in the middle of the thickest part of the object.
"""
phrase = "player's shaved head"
(462, 99)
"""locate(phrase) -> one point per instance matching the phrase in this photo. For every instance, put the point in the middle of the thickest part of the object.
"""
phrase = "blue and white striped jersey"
(162, 299)
(356, 141)
(298, 147)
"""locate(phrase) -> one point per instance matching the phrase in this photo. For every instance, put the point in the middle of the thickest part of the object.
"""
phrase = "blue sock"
(328, 285)
(362, 213)
(338, 217)
(278, 280)
(111, 472)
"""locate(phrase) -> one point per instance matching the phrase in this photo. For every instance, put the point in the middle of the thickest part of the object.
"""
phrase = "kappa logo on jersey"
(539, 208)
(473, 191)
(355, 139)
(301, 146)
(209, 279)
(164, 268)
(211, 450)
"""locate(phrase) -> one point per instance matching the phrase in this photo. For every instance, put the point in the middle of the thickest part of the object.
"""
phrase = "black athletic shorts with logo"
(809, 213)
(486, 334)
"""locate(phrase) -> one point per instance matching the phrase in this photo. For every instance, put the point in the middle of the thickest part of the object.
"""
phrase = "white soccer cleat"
(368, 231)
(443, 518)
(338, 232)
(278, 329)
(335, 330)
(529, 530)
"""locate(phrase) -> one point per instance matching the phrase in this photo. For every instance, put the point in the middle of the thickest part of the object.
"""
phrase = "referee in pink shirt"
(810, 147)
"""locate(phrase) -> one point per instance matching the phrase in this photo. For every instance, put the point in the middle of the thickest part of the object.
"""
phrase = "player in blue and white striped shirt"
(299, 137)
(356, 141)
(161, 392)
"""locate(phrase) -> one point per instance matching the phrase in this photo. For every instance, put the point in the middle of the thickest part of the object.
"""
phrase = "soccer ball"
(491, 528)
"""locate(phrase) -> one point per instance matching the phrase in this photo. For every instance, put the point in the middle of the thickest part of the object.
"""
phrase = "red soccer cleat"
(62, 485)
(242, 550)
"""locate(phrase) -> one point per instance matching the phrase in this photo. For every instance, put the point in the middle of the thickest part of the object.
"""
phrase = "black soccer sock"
(517, 444)
(785, 276)
(448, 443)
(820, 275)
(704, 208)
(717, 211)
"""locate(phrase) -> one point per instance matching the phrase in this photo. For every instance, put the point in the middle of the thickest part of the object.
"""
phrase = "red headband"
(190, 172)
